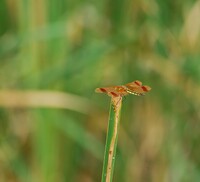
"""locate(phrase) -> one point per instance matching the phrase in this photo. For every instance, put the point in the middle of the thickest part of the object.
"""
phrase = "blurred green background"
(53, 54)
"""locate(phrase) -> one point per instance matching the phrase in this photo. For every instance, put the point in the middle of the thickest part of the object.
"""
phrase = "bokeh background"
(53, 54)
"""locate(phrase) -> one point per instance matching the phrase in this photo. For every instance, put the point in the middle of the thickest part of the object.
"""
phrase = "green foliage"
(111, 140)
(71, 47)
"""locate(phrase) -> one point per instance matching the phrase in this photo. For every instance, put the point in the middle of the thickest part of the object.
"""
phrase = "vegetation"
(53, 54)
(111, 139)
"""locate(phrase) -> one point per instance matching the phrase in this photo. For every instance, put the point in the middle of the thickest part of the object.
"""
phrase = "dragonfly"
(135, 88)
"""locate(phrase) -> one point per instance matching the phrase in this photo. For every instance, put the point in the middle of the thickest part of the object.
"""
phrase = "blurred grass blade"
(45, 99)
(76, 132)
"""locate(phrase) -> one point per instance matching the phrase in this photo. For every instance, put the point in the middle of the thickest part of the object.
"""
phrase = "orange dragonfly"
(135, 88)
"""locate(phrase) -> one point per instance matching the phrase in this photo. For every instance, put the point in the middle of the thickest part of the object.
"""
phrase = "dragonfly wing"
(136, 83)
(111, 91)
(138, 90)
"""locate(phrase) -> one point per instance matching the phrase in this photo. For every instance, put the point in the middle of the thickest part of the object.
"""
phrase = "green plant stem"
(111, 140)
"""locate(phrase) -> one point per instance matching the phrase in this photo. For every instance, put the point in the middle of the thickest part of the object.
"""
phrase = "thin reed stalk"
(111, 140)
